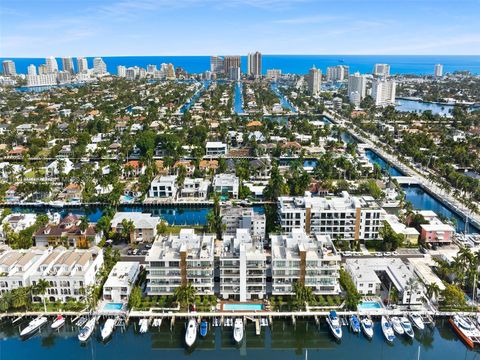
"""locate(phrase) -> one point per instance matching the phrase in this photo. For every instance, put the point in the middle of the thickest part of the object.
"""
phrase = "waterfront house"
(194, 189)
(145, 225)
(164, 187)
(71, 193)
(215, 149)
(120, 281)
(57, 167)
(16, 222)
(226, 185)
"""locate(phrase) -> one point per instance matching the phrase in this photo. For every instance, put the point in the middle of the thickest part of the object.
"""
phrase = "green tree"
(135, 299)
(185, 295)
(215, 219)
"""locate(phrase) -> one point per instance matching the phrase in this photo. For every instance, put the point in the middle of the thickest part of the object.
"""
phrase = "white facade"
(274, 74)
(383, 92)
(31, 70)
(314, 81)
(163, 187)
(67, 65)
(216, 65)
(99, 66)
(244, 218)
(16, 222)
(121, 71)
(254, 64)
(215, 148)
(438, 70)
(176, 260)
(17, 266)
(42, 80)
(82, 65)
(52, 65)
(120, 281)
(9, 68)
(337, 73)
(195, 188)
(357, 85)
(226, 184)
(297, 257)
(242, 267)
(381, 70)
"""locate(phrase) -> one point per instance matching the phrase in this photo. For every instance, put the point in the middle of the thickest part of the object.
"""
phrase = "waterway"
(418, 106)
(194, 98)
(283, 100)
(284, 341)
(238, 98)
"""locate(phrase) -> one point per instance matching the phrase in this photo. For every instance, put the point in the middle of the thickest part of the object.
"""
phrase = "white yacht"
(397, 325)
(417, 321)
(34, 325)
(387, 329)
(108, 328)
(334, 324)
(58, 323)
(87, 330)
(143, 326)
(367, 327)
(407, 327)
(191, 333)
(238, 330)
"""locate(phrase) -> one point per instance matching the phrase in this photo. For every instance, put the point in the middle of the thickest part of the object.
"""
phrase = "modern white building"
(42, 79)
(343, 217)
(196, 188)
(67, 65)
(16, 222)
(120, 281)
(215, 148)
(9, 68)
(314, 80)
(216, 65)
(244, 218)
(312, 261)
(357, 85)
(31, 70)
(381, 70)
(82, 65)
(99, 66)
(337, 73)
(164, 187)
(243, 267)
(52, 65)
(383, 92)
(438, 70)
(178, 260)
(226, 185)
(254, 64)
(16, 267)
(121, 71)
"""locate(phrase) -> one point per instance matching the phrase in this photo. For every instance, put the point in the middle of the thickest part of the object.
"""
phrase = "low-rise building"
(215, 148)
(120, 281)
(16, 267)
(16, 222)
(144, 225)
(244, 218)
(409, 234)
(226, 185)
(164, 187)
(194, 188)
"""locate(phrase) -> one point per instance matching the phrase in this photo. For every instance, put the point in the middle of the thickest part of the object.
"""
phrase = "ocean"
(294, 64)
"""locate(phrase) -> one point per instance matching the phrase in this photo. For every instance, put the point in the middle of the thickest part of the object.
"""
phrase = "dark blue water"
(282, 343)
(238, 98)
(420, 106)
(195, 97)
(376, 159)
(285, 103)
(296, 64)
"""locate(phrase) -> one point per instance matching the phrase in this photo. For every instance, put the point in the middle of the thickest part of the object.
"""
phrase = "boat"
(354, 324)
(34, 325)
(387, 329)
(367, 327)
(407, 327)
(157, 322)
(465, 329)
(143, 326)
(238, 330)
(58, 323)
(397, 325)
(334, 324)
(191, 333)
(82, 321)
(108, 328)
(417, 321)
(204, 328)
(86, 330)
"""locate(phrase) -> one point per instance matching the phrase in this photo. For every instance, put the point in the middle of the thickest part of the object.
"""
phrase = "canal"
(238, 98)
(283, 100)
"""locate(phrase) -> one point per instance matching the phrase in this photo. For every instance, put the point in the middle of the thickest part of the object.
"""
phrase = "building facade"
(254, 64)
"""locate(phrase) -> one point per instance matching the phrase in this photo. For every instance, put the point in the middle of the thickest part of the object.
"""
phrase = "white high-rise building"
(216, 65)
(67, 65)
(383, 92)
(99, 66)
(438, 70)
(31, 70)
(274, 74)
(337, 73)
(52, 65)
(234, 73)
(82, 65)
(254, 64)
(121, 71)
(357, 85)
(9, 68)
(151, 69)
(381, 70)
(42, 79)
(314, 80)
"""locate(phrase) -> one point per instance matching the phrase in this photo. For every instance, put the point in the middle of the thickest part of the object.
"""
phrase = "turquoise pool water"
(369, 305)
(240, 307)
(113, 306)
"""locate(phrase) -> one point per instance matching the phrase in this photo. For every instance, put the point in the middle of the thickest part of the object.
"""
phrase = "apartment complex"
(438, 70)
(9, 68)
(314, 80)
(357, 85)
(243, 265)
(337, 73)
(254, 64)
(244, 218)
(343, 217)
(383, 92)
(178, 260)
(216, 65)
(229, 62)
(381, 70)
(16, 268)
(120, 281)
(312, 261)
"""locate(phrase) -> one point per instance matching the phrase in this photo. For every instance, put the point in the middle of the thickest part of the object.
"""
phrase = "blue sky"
(38, 28)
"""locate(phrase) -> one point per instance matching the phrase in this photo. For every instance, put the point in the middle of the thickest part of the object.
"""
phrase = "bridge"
(406, 180)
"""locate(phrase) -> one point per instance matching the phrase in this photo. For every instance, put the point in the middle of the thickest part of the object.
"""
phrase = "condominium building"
(82, 65)
(64, 77)
(178, 260)
(357, 85)
(337, 73)
(244, 218)
(242, 267)
(383, 92)
(121, 71)
(9, 68)
(163, 187)
(217, 65)
(274, 74)
(226, 185)
(311, 261)
(42, 79)
(438, 70)
(314, 81)
(231, 62)
(67, 65)
(31, 70)
(120, 281)
(144, 225)
(254, 64)
(52, 65)
(381, 70)
(42, 69)
(99, 66)
(16, 267)
(234, 74)
(343, 217)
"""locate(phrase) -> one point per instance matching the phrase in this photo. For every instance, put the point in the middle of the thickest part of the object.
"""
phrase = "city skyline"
(274, 26)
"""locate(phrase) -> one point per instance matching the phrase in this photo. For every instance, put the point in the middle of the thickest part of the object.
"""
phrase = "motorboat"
(58, 323)
(465, 329)
(407, 327)
(354, 324)
(367, 327)
(203, 328)
(387, 329)
(238, 330)
(143, 326)
(157, 322)
(34, 325)
(87, 330)
(417, 321)
(334, 323)
(108, 328)
(397, 325)
(191, 333)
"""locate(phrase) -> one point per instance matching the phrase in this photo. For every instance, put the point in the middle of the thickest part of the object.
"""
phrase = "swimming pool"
(242, 307)
(113, 306)
(369, 305)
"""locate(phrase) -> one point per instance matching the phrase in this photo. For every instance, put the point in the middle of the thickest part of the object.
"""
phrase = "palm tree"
(185, 294)
(128, 227)
(40, 288)
(433, 290)
(215, 219)
(303, 294)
